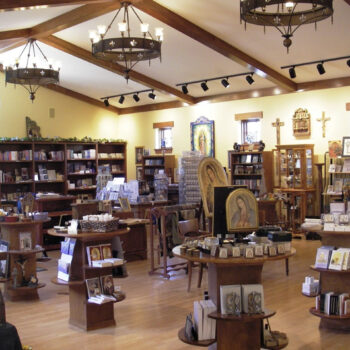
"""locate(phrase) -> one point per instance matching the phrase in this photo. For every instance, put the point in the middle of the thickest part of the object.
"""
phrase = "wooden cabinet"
(252, 169)
(85, 315)
(334, 281)
(294, 171)
(60, 167)
(22, 261)
(151, 165)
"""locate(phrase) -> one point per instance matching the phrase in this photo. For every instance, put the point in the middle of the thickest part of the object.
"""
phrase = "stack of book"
(100, 290)
(204, 326)
(333, 304)
(328, 257)
(64, 263)
(101, 256)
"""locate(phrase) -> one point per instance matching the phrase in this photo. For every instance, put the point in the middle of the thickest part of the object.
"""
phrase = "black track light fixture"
(249, 79)
(184, 89)
(320, 68)
(292, 73)
(152, 96)
(204, 86)
(106, 102)
(136, 97)
(225, 83)
(121, 99)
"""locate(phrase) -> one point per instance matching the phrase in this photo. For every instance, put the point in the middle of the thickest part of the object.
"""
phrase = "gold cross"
(323, 120)
(277, 124)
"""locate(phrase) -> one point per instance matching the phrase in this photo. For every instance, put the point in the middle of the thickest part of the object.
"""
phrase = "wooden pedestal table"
(233, 332)
(23, 260)
(87, 316)
(333, 280)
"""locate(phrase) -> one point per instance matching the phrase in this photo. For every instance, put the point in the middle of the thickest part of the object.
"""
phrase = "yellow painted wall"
(75, 118)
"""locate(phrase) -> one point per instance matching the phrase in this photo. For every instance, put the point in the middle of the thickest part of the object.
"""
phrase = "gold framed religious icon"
(241, 211)
(210, 174)
(301, 123)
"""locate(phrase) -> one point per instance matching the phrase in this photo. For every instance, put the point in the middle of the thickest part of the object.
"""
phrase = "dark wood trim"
(14, 34)
(83, 98)
(324, 84)
(196, 33)
(347, 107)
(114, 67)
(168, 150)
(152, 107)
(14, 4)
(163, 125)
(249, 115)
(10, 44)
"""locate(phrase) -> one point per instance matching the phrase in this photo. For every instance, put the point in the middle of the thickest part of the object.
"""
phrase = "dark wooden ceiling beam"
(70, 93)
(196, 33)
(9, 5)
(114, 67)
(151, 107)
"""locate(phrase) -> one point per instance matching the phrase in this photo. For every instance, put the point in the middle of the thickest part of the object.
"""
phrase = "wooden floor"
(155, 309)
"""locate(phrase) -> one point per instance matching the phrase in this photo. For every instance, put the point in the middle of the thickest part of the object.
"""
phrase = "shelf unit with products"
(252, 169)
(114, 155)
(151, 165)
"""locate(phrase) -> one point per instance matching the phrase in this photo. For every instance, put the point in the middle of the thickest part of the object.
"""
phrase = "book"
(65, 261)
(252, 298)
(93, 253)
(93, 286)
(198, 319)
(63, 269)
(106, 251)
(25, 241)
(336, 261)
(346, 166)
(331, 168)
(323, 256)
(4, 262)
(230, 299)
(51, 175)
(107, 284)
(338, 186)
(208, 325)
(327, 302)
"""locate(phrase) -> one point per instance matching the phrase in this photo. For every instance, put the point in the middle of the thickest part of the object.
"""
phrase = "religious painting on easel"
(335, 149)
(301, 123)
(202, 136)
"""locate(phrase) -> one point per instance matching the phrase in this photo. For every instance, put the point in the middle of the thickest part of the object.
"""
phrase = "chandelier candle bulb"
(144, 27)
(122, 27)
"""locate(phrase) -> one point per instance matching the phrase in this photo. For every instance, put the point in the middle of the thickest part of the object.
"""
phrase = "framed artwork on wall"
(139, 154)
(346, 146)
(139, 173)
(203, 137)
(335, 149)
(242, 209)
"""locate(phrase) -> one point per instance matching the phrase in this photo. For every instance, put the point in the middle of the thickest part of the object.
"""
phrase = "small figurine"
(236, 147)
(261, 145)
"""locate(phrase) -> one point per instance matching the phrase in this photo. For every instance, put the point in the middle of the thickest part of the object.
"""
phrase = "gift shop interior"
(174, 174)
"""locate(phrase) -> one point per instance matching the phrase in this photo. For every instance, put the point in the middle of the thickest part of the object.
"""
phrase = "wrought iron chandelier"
(127, 49)
(31, 76)
(285, 16)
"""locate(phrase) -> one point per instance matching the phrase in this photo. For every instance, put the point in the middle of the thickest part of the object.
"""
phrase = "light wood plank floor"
(155, 308)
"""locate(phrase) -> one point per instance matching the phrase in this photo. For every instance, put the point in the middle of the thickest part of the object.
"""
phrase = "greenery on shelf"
(59, 139)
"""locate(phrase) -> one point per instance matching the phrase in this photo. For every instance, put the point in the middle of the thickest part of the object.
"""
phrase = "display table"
(87, 316)
(24, 261)
(333, 280)
(233, 332)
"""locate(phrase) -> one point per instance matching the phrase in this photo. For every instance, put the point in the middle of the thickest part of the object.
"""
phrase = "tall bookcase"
(151, 165)
(60, 167)
(252, 169)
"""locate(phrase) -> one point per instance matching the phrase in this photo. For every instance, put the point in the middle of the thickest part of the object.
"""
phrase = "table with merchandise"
(233, 331)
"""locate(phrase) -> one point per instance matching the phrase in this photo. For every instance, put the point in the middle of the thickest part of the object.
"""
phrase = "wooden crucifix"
(277, 124)
(323, 120)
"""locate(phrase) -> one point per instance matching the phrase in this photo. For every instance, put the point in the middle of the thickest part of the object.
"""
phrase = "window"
(164, 138)
(250, 130)
(163, 135)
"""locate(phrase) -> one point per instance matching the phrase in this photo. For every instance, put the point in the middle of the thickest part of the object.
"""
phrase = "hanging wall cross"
(323, 120)
(277, 124)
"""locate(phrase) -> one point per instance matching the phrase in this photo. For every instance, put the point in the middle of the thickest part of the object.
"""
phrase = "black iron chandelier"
(127, 49)
(31, 76)
(285, 16)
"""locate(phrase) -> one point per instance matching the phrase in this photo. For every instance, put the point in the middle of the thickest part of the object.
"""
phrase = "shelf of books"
(332, 290)
(252, 169)
(86, 265)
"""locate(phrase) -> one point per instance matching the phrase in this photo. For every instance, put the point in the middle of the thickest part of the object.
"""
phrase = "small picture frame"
(346, 146)
(139, 152)
(124, 203)
(223, 253)
(266, 248)
(280, 249)
(343, 219)
(213, 250)
(139, 173)
(249, 253)
(236, 252)
(258, 250)
(272, 250)
(328, 218)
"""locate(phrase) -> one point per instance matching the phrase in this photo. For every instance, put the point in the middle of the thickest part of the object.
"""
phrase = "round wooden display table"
(233, 332)
(333, 280)
(87, 316)
(22, 236)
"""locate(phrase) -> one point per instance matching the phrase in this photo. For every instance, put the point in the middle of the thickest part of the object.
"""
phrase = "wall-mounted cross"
(323, 120)
(277, 124)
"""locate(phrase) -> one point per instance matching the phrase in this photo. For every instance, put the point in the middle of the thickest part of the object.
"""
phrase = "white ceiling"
(185, 59)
